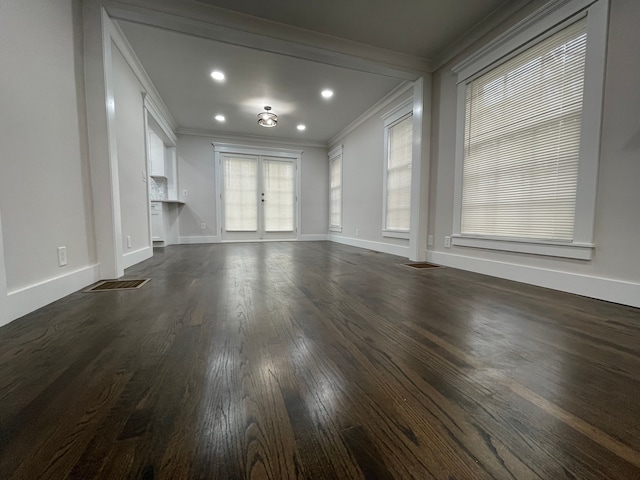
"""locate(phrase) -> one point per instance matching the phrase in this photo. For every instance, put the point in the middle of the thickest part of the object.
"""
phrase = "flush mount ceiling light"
(327, 93)
(220, 118)
(267, 119)
(217, 75)
(301, 127)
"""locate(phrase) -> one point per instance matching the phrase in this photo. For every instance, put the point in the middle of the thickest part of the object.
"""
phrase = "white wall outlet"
(447, 242)
(203, 226)
(430, 240)
(185, 192)
(128, 241)
(357, 232)
(62, 256)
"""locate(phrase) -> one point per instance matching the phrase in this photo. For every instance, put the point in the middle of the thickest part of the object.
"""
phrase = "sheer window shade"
(335, 206)
(240, 194)
(522, 137)
(279, 195)
(398, 199)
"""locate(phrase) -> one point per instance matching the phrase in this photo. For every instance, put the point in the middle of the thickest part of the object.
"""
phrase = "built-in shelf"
(158, 176)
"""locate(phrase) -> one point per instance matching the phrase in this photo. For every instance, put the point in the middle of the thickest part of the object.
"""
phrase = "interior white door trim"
(221, 149)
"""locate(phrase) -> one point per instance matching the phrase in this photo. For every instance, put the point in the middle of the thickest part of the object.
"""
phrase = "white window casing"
(528, 134)
(398, 151)
(335, 189)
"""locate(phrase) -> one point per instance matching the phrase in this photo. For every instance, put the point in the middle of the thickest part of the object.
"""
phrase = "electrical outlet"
(447, 242)
(128, 241)
(430, 240)
(185, 192)
(62, 256)
(203, 226)
(357, 232)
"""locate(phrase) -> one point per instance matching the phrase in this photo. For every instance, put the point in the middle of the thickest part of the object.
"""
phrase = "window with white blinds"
(335, 193)
(522, 141)
(398, 175)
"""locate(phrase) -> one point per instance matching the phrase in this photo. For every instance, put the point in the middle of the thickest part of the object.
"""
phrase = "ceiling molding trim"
(153, 96)
(224, 137)
(480, 30)
(158, 117)
(372, 111)
(545, 13)
(235, 28)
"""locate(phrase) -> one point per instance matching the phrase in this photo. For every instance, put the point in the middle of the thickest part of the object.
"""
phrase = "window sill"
(335, 229)
(395, 234)
(580, 251)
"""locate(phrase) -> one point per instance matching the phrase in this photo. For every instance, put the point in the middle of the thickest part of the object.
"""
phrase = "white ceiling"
(254, 43)
(423, 28)
(180, 65)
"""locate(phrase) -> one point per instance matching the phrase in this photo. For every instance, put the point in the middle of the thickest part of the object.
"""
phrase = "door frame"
(221, 149)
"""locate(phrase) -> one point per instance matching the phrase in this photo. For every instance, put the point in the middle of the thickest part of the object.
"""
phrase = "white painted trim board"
(400, 250)
(28, 299)
(611, 290)
(194, 240)
(133, 258)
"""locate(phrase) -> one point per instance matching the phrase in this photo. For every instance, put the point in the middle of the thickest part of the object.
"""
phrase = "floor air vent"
(421, 265)
(111, 285)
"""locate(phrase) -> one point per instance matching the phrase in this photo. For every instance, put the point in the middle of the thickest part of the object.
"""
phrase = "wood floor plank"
(315, 360)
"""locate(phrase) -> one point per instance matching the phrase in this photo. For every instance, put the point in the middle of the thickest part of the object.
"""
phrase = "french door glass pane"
(278, 195)
(240, 194)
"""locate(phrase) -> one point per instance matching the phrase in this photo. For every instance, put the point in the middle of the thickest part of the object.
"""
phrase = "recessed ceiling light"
(217, 75)
(327, 93)
(301, 127)
(220, 118)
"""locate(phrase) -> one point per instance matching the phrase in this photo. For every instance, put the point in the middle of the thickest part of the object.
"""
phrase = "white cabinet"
(156, 155)
(157, 223)
(164, 222)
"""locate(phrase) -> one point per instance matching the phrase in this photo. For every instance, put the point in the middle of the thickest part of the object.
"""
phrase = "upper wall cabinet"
(156, 155)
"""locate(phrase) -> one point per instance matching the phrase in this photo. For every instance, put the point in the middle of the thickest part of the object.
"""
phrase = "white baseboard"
(25, 300)
(389, 248)
(617, 291)
(313, 237)
(133, 258)
(197, 239)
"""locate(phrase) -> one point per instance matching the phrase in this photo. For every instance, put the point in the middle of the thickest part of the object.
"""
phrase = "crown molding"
(544, 19)
(153, 97)
(198, 19)
(372, 111)
(226, 137)
(485, 26)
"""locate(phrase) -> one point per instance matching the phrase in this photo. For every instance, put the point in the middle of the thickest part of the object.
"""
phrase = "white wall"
(362, 185)
(617, 228)
(197, 176)
(132, 163)
(45, 197)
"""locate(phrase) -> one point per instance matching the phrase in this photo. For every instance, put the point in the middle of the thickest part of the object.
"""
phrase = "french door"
(258, 197)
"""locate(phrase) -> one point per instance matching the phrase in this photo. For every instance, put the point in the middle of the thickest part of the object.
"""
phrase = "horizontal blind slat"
(522, 138)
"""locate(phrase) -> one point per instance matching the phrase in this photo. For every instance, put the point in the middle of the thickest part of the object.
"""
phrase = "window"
(335, 186)
(525, 169)
(397, 173)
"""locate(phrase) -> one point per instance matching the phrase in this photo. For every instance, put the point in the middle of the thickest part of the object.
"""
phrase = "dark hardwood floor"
(319, 361)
